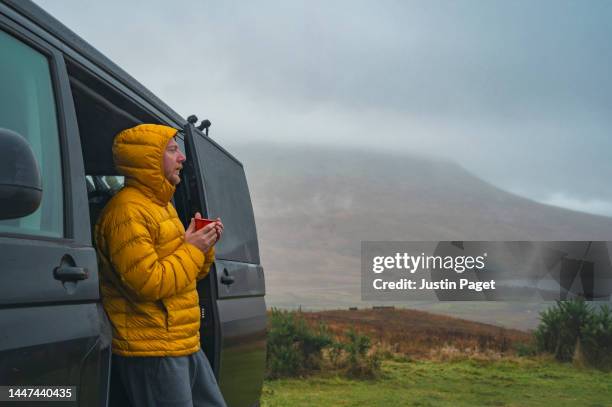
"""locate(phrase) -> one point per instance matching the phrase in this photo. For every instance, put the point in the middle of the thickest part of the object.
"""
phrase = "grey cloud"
(517, 92)
(501, 59)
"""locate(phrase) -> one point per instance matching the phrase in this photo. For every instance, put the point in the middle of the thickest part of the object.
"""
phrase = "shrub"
(335, 354)
(547, 333)
(561, 326)
(597, 338)
(293, 347)
(525, 349)
(574, 329)
(361, 364)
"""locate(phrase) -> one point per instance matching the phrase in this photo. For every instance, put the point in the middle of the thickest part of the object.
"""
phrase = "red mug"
(201, 222)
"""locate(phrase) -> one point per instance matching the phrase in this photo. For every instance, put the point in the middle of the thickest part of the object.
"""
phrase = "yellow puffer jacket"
(148, 273)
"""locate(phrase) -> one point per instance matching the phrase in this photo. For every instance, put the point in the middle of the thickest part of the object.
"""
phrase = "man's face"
(173, 162)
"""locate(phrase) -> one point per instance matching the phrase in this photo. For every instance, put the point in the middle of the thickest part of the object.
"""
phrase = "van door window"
(27, 106)
(227, 197)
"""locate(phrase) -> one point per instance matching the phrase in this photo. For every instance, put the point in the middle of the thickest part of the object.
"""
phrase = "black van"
(61, 103)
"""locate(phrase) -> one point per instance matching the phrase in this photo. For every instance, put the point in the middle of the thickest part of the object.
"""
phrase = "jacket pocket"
(166, 313)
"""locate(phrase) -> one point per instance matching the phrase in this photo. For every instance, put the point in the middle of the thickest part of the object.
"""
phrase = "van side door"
(53, 329)
(237, 280)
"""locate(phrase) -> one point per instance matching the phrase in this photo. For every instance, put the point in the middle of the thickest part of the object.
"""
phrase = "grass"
(505, 382)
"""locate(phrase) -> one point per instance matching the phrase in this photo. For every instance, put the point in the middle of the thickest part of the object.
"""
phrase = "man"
(148, 273)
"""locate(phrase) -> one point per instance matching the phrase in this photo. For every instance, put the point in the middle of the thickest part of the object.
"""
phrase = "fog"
(518, 92)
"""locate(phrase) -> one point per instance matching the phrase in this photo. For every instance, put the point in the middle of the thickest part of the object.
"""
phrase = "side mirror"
(20, 182)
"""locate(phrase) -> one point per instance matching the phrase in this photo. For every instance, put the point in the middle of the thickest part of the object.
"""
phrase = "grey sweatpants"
(183, 381)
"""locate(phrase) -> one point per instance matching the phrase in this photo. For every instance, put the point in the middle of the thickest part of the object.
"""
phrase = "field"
(433, 360)
(520, 382)
(422, 335)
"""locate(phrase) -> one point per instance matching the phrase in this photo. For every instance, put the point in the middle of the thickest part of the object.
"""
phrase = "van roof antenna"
(205, 124)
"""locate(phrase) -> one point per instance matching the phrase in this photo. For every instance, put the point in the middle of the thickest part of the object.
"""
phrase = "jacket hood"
(138, 153)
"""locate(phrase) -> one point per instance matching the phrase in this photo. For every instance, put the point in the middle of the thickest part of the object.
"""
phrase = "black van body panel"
(237, 279)
(30, 279)
(243, 349)
(45, 345)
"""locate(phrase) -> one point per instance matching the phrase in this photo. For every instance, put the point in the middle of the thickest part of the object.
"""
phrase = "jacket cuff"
(210, 255)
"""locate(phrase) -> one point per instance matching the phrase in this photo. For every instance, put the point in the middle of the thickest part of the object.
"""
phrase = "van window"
(27, 106)
(227, 197)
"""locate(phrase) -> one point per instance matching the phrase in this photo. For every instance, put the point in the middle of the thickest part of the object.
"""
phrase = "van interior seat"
(99, 192)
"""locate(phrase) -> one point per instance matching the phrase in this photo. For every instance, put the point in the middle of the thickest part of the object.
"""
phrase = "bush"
(525, 349)
(293, 347)
(296, 349)
(561, 328)
(597, 338)
(574, 329)
(547, 333)
(360, 364)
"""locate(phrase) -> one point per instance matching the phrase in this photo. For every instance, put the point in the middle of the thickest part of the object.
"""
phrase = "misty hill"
(313, 207)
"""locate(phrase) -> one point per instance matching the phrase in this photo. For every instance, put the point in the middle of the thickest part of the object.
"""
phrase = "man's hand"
(218, 227)
(204, 238)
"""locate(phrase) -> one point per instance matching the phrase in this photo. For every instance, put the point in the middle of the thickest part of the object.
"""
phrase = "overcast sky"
(518, 92)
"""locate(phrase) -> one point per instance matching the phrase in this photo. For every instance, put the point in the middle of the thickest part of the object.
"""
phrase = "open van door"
(233, 330)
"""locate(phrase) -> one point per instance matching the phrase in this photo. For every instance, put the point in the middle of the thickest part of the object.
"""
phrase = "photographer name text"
(446, 284)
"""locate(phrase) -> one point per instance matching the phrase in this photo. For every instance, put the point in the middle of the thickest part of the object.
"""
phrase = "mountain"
(314, 205)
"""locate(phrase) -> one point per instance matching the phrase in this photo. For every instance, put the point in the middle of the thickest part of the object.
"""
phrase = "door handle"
(70, 273)
(226, 278)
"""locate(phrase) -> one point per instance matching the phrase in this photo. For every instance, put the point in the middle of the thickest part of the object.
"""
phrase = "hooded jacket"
(148, 273)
